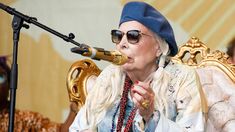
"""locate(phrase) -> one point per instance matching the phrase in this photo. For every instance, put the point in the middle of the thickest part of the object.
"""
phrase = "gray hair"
(165, 51)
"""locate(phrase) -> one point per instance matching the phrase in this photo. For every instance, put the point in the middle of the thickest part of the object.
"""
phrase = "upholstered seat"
(217, 77)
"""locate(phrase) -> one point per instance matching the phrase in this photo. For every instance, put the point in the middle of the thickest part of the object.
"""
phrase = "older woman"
(231, 51)
(149, 92)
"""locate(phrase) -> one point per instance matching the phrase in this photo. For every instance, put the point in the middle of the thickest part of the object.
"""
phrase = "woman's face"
(4, 86)
(233, 57)
(141, 55)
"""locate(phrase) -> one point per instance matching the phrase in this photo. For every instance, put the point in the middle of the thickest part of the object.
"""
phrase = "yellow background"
(43, 70)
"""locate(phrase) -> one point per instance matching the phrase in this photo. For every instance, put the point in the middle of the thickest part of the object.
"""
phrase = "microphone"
(115, 57)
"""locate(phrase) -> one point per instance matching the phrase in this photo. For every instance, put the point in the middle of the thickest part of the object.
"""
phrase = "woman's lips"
(130, 60)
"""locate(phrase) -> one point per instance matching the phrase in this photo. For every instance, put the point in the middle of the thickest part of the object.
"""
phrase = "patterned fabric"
(177, 102)
(220, 93)
(28, 121)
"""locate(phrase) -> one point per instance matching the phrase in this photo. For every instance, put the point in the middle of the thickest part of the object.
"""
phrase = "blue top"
(106, 124)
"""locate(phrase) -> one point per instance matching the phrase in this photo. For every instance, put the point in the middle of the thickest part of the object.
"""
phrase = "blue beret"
(152, 19)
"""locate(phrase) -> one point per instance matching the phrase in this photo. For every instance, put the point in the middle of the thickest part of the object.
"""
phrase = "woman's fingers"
(143, 98)
(141, 92)
(143, 89)
(143, 84)
(141, 101)
(136, 100)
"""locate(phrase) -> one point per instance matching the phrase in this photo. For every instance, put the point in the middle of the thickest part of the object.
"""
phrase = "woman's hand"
(143, 98)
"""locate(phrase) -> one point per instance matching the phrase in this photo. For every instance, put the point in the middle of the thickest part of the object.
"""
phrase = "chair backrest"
(217, 77)
(81, 76)
(216, 58)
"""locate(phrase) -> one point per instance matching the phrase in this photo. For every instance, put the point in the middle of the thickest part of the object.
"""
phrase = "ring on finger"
(145, 104)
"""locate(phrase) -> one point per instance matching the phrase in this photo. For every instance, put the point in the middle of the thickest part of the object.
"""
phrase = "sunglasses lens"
(133, 36)
(116, 36)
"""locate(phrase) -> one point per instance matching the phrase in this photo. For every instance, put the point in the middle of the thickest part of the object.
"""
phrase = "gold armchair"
(81, 76)
(217, 77)
(216, 58)
(28, 121)
(216, 74)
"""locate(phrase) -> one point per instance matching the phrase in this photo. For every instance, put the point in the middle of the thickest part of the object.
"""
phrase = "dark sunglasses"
(133, 36)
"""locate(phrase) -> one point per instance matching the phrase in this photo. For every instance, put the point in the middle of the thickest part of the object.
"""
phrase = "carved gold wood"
(28, 121)
(216, 58)
(77, 78)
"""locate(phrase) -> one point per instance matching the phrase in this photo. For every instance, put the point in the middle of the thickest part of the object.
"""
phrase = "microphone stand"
(17, 24)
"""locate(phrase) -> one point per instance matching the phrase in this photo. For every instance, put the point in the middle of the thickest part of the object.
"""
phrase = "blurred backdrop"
(44, 59)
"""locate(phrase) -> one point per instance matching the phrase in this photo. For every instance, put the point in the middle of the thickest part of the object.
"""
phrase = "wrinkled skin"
(141, 63)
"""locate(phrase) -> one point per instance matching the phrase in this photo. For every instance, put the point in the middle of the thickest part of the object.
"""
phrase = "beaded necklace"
(122, 106)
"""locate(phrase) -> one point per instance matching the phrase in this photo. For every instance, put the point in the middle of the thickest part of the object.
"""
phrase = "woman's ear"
(158, 51)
